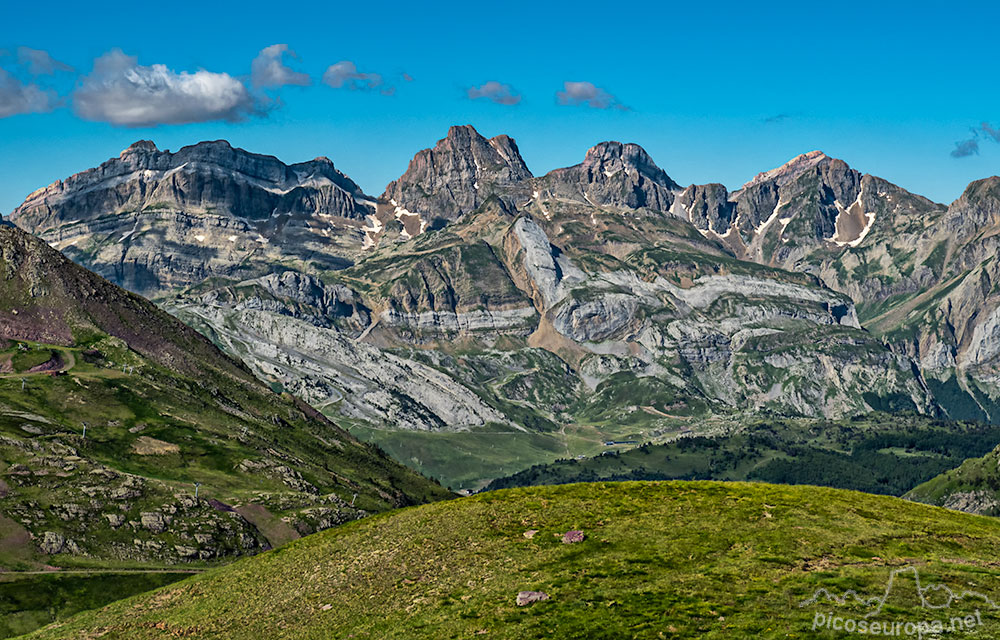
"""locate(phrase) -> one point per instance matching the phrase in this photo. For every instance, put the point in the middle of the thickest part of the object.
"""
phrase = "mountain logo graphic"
(932, 596)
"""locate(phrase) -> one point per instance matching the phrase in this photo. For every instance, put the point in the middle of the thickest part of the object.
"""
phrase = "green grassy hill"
(188, 460)
(659, 560)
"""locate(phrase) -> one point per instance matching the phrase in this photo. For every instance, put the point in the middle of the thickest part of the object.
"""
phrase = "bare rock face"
(614, 175)
(962, 328)
(455, 177)
(811, 190)
(324, 366)
(298, 295)
(811, 199)
(206, 176)
(978, 502)
(707, 207)
(153, 221)
(550, 272)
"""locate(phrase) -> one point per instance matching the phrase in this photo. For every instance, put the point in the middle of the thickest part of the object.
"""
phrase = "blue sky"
(716, 92)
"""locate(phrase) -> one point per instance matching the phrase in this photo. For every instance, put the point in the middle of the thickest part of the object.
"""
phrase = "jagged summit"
(212, 161)
(610, 157)
(982, 188)
(221, 210)
(456, 176)
(613, 174)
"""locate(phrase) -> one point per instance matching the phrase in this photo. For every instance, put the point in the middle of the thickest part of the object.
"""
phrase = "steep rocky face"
(952, 324)
(297, 295)
(707, 207)
(613, 175)
(458, 175)
(336, 373)
(812, 198)
(153, 221)
(740, 339)
(815, 214)
(209, 176)
(924, 275)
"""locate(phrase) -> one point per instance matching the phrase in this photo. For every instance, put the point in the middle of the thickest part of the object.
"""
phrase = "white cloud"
(268, 70)
(17, 97)
(40, 63)
(496, 92)
(585, 93)
(345, 75)
(125, 93)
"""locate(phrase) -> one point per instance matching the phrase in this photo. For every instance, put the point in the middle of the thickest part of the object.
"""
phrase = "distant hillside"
(973, 487)
(653, 560)
(877, 453)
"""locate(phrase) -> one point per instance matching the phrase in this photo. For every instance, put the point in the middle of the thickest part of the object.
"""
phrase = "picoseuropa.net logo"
(937, 599)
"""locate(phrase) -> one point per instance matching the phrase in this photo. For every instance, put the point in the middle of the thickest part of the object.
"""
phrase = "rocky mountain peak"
(457, 175)
(140, 146)
(616, 175)
(976, 209)
(608, 158)
(468, 144)
(791, 169)
(986, 188)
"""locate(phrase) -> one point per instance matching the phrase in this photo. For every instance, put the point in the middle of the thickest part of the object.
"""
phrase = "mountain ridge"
(812, 290)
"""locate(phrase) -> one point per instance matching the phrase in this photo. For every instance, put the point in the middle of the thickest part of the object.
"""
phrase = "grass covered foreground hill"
(652, 560)
(129, 441)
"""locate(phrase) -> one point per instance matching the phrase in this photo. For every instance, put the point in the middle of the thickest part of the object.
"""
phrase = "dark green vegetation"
(659, 560)
(30, 602)
(877, 453)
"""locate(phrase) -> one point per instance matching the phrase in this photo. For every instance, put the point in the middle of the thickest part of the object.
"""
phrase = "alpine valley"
(475, 319)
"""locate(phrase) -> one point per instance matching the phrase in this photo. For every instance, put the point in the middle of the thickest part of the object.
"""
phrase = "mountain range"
(476, 319)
